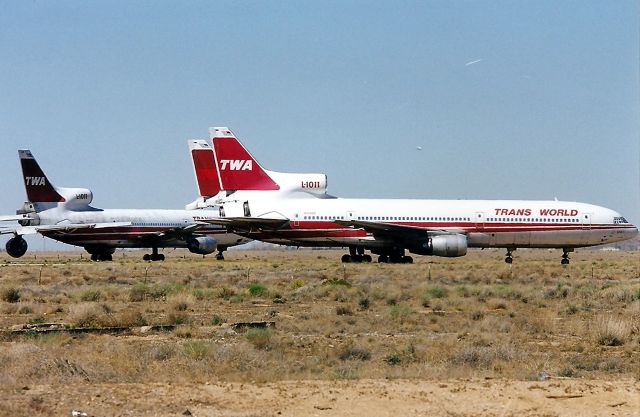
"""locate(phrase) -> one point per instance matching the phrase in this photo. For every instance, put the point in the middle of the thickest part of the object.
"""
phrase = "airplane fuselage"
(486, 223)
(148, 228)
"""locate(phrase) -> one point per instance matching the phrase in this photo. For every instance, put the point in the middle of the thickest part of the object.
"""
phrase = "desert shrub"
(568, 373)
(260, 338)
(612, 331)
(10, 295)
(400, 312)
(138, 292)
(225, 293)
(482, 356)
(257, 289)
(91, 295)
(89, 315)
(199, 294)
(344, 311)
(296, 283)
(161, 352)
(477, 315)
(355, 353)
(39, 319)
(436, 292)
(177, 318)
(392, 359)
(130, 318)
(333, 282)
(364, 303)
(25, 309)
(197, 349)
(217, 320)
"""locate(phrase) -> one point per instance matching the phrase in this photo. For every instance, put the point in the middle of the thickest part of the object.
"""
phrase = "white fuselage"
(486, 223)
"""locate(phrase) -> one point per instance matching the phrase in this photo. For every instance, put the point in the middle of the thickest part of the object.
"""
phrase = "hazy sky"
(508, 99)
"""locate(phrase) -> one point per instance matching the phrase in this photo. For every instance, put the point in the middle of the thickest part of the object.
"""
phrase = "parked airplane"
(389, 227)
(65, 214)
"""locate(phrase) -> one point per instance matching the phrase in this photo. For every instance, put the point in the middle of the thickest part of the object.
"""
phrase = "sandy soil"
(564, 397)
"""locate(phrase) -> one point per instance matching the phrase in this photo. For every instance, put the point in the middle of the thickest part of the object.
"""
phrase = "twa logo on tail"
(236, 164)
(37, 181)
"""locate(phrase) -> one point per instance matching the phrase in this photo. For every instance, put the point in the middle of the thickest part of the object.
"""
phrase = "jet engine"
(202, 245)
(76, 197)
(449, 245)
(16, 246)
(441, 245)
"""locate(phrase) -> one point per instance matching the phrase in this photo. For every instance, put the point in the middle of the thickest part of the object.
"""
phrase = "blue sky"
(106, 93)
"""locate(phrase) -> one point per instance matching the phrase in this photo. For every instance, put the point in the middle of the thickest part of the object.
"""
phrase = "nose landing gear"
(154, 256)
(509, 258)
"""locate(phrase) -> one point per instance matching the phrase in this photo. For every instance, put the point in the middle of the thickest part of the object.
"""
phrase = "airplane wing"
(64, 227)
(248, 224)
(176, 232)
(396, 231)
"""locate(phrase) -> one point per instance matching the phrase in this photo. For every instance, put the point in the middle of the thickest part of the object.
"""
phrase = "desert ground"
(296, 333)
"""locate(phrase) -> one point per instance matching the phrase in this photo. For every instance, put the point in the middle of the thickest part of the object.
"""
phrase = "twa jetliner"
(390, 227)
(64, 214)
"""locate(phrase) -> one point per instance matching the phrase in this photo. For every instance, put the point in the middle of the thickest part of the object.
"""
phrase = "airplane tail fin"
(238, 170)
(204, 167)
(37, 185)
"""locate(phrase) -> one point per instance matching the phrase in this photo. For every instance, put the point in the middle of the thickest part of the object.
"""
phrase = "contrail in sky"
(472, 62)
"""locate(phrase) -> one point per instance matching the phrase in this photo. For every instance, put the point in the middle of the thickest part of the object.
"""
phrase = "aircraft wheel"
(366, 258)
(508, 259)
(357, 258)
(383, 259)
(107, 257)
(146, 257)
(407, 260)
(346, 258)
(564, 261)
(161, 257)
(220, 257)
(94, 257)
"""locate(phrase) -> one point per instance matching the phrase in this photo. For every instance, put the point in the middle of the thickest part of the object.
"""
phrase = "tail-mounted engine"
(203, 245)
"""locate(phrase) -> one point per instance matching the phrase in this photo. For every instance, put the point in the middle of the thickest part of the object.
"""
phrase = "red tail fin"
(39, 189)
(204, 166)
(237, 168)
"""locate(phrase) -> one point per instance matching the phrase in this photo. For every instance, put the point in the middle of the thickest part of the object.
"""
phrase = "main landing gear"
(154, 256)
(220, 254)
(356, 254)
(565, 256)
(396, 256)
(100, 253)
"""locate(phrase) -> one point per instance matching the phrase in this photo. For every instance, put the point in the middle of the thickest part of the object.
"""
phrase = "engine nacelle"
(441, 245)
(76, 197)
(16, 246)
(203, 245)
(449, 245)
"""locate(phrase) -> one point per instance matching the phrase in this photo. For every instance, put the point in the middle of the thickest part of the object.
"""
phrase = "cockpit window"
(619, 220)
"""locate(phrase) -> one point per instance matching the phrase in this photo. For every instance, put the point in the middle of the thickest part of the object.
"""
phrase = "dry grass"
(438, 318)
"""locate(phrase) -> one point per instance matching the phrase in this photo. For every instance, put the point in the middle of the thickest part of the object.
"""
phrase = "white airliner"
(65, 214)
(389, 227)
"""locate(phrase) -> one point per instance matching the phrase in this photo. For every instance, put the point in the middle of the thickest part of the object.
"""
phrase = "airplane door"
(586, 221)
(296, 220)
(350, 215)
(479, 219)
